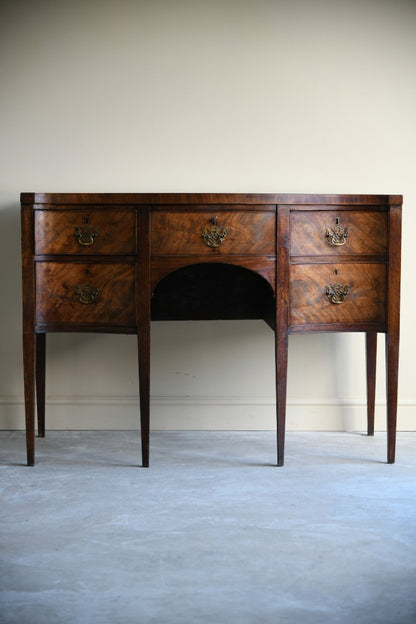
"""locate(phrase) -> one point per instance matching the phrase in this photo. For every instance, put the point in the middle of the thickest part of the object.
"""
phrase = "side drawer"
(338, 232)
(85, 232)
(72, 293)
(342, 293)
(222, 232)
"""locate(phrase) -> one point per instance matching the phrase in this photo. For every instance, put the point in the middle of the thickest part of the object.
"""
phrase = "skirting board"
(203, 414)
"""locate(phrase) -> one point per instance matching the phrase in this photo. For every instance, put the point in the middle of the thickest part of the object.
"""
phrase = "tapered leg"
(281, 385)
(143, 341)
(371, 356)
(282, 324)
(40, 382)
(392, 370)
(393, 328)
(29, 387)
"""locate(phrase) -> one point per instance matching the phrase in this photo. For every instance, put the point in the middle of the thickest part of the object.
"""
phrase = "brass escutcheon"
(337, 236)
(86, 235)
(337, 293)
(213, 235)
(87, 293)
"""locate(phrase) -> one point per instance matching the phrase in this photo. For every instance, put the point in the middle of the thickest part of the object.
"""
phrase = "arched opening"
(213, 291)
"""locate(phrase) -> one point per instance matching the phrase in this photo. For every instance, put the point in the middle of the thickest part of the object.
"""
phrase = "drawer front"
(85, 232)
(356, 293)
(207, 233)
(338, 232)
(85, 293)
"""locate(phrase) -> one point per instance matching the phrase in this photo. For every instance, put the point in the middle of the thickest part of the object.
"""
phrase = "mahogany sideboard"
(304, 263)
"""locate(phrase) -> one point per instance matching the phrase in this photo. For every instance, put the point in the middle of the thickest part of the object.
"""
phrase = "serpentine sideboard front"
(304, 263)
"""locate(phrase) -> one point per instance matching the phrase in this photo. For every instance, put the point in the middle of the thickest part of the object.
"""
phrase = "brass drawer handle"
(87, 293)
(86, 235)
(337, 236)
(213, 235)
(337, 293)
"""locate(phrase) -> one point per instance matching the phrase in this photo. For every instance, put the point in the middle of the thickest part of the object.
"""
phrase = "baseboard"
(203, 413)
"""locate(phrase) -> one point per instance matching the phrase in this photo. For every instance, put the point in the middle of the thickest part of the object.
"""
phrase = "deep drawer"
(338, 232)
(85, 232)
(84, 293)
(222, 232)
(343, 293)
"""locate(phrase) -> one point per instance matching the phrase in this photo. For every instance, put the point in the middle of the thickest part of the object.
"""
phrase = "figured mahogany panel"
(359, 288)
(338, 232)
(242, 233)
(85, 232)
(72, 293)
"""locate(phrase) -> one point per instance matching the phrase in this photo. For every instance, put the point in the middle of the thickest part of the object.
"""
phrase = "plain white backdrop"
(297, 96)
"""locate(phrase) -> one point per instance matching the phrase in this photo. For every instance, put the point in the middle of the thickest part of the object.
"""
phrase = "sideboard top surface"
(208, 198)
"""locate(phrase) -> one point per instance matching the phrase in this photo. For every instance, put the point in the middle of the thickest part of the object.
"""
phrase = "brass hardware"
(214, 236)
(337, 293)
(87, 293)
(86, 234)
(337, 236)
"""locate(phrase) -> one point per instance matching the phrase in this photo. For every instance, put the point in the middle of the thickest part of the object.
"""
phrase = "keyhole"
(336, 272)
(86, 220)
(87, 272)
(336, 220)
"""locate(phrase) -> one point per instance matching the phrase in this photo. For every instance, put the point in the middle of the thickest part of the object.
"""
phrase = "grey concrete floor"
(211, 533)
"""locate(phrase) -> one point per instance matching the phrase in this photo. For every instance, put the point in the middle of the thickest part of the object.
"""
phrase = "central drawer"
(208, 233)
(85, 293)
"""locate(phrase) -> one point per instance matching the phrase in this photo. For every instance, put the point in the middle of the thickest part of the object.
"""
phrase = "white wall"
(216, 95)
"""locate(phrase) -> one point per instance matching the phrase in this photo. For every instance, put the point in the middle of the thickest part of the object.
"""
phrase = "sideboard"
(113, 262)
